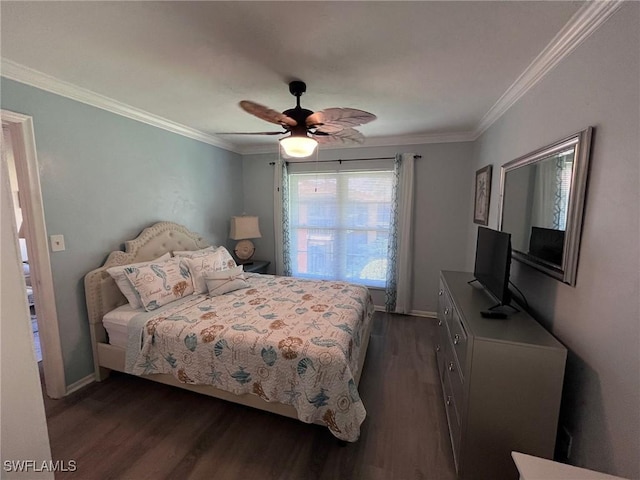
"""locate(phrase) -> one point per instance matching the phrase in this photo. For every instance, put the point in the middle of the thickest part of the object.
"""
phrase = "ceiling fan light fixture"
(298, 146)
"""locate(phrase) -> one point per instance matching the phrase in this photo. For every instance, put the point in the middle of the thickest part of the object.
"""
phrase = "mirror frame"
(566, 272)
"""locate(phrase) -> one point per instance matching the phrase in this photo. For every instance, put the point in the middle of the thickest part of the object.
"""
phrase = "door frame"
(20, 128)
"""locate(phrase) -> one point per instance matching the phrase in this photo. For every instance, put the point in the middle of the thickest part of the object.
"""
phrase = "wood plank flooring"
(131, 428)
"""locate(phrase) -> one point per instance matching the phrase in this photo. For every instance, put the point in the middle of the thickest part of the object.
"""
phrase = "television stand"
(497, 305)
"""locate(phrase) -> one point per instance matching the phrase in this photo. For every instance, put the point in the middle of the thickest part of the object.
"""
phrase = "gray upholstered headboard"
(101, 291)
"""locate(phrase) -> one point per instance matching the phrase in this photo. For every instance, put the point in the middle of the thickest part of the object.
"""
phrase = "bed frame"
(103, 295)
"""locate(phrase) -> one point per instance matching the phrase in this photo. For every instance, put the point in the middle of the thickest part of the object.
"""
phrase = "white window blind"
(339, 225)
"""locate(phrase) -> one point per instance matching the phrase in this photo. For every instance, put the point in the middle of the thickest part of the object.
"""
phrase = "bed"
(289, 346)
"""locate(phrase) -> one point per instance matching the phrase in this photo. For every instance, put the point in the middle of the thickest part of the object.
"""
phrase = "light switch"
(57, 243)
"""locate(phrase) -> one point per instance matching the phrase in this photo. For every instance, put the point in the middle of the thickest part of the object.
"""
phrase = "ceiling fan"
(307, 128)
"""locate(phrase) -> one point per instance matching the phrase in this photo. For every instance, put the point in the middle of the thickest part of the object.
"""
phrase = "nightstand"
(257, 266)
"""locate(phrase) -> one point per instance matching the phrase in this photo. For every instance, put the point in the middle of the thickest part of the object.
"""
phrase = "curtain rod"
(340, 160)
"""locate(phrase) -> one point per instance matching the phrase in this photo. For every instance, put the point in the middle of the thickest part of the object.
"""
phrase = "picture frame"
(482, 196)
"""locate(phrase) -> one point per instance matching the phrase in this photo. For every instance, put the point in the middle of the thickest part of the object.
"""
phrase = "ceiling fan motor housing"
(299, 114)
(297, 88)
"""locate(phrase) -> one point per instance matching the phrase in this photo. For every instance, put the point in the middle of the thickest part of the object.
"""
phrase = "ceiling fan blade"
(340, 117)
(267, 114)
(251, 133)
(345, 136)
(328, 128)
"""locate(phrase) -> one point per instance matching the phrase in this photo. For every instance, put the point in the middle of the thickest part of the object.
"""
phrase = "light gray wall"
(598, 320)
(104, 178)
(442, 209)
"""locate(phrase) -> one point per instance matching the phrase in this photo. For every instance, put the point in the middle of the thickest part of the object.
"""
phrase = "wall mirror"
(542, 198)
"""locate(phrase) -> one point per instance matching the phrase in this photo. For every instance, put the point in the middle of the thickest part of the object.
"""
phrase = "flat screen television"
(547, 244)
(493, 263)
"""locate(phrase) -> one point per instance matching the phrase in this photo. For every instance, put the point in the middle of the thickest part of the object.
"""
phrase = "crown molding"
(34, 78)
(375, 142)
(450, 137)
(579, 27)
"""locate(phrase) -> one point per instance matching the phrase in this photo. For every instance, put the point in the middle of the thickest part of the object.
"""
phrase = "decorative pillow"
(193, 253)
(117, 273)
(160, 283)
(226, 281)
(202, 265)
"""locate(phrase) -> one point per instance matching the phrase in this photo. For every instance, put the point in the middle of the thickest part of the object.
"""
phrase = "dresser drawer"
(454, 377)
(442, 332)
(452, 418)
(442, 339)
(458, 339)
(444, 304)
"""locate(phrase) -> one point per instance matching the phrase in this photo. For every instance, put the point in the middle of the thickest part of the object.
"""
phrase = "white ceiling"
(428, 70)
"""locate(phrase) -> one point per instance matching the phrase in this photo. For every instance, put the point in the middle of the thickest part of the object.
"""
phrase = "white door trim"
(24, 150)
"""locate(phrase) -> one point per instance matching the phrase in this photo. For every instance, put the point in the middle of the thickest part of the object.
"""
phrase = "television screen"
(493, 262)
(547, 244)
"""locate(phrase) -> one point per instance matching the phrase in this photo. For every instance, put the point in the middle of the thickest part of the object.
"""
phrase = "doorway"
(19, 133)
(9, 159)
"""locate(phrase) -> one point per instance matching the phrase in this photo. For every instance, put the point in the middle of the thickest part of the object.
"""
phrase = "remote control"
(491, 314)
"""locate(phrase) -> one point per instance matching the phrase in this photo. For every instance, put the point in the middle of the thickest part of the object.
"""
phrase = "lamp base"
(244, 251)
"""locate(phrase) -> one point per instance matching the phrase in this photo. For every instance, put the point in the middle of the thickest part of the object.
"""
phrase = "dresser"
(501, 381)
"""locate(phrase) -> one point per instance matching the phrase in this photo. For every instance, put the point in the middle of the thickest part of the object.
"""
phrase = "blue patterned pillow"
(160, 283)
(123, 283)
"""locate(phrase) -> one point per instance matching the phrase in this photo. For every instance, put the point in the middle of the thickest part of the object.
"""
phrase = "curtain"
(281, 217)
(551, 194)
(400, 251)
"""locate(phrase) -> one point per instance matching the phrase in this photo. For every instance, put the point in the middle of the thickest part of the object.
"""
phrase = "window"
(564, 170)
(339, 225)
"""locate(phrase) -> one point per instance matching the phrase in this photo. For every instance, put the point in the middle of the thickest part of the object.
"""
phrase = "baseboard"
(83, 382)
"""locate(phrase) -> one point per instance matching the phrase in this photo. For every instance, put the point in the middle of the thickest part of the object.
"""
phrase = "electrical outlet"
(563, 444)
(57, 243)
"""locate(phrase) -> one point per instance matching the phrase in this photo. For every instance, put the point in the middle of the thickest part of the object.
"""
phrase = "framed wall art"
(482, 196)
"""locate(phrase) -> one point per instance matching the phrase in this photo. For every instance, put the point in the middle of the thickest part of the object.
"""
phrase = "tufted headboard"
(101, 291)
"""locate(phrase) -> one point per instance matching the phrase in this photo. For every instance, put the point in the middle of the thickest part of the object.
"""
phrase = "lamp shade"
(298, 146)
(244, 227)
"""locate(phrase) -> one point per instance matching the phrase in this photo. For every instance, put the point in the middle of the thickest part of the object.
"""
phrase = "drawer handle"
(439, 322)
(448, 402)
(451, 367)
(446, 311)
(456, 339)
(437, 348)
(440, 293)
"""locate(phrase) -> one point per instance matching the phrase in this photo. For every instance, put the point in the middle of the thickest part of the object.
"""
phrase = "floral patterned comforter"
(287, 340)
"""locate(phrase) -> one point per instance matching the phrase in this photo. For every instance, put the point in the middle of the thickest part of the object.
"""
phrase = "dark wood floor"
(131, 428)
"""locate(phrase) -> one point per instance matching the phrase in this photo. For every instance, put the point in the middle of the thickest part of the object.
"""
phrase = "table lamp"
(244, 228)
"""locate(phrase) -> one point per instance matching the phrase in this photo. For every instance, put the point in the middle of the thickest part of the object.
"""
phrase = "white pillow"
(193, 253)
(225, 281)
(160, 283)
(202, 265)
(123, 283)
